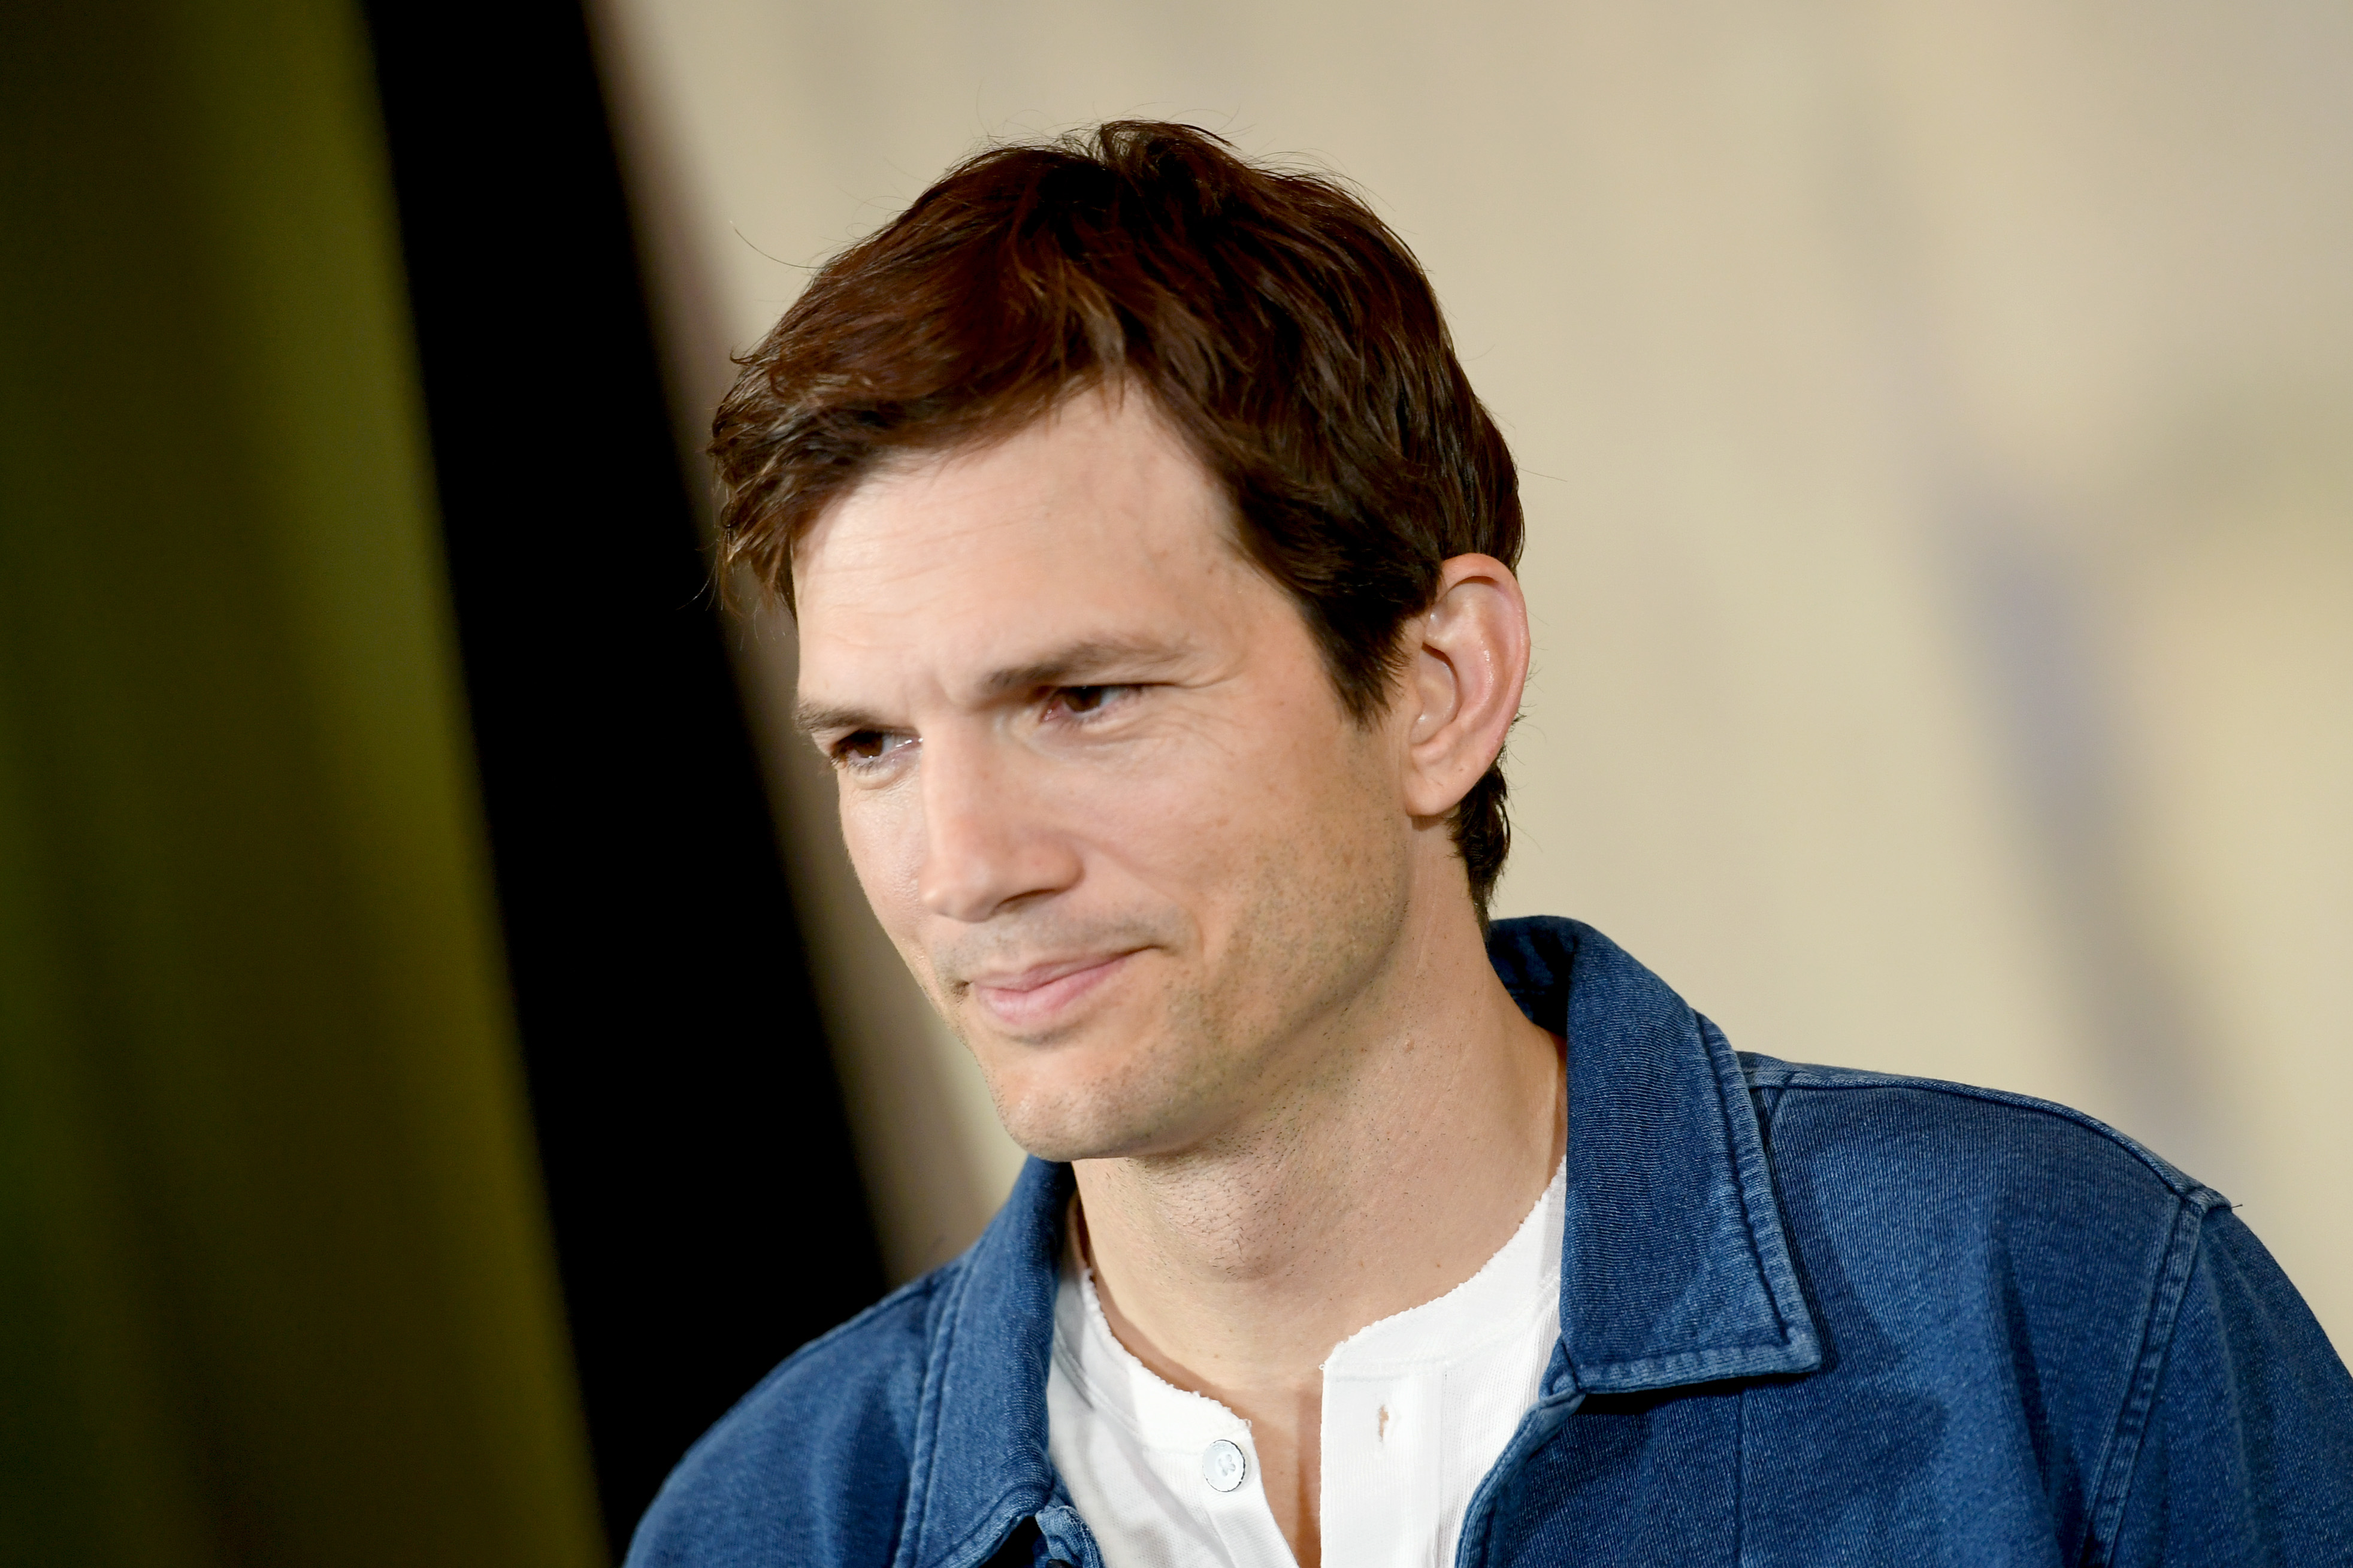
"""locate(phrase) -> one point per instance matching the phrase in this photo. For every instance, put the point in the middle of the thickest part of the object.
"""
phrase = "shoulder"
(1884, 1132)
(2004, 1271)
(1968, 1218)
(811, 1466)
(1975, 1210)
(2014, 1265)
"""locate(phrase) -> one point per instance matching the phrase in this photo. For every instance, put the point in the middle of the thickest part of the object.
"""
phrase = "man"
(1152, 560)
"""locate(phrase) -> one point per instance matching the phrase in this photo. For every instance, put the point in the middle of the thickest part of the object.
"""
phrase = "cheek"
(1226, 820)
(884, 837)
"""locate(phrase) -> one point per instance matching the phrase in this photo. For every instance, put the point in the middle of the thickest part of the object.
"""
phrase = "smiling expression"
(1096, 781)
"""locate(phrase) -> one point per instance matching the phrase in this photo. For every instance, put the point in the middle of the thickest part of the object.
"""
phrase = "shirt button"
(1222, 1464)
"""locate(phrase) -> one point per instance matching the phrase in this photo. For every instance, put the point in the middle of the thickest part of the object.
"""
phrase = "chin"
(1092, 1119)
(1058, 1130)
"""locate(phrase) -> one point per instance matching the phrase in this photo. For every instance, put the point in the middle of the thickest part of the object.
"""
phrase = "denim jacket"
(1808, 1316)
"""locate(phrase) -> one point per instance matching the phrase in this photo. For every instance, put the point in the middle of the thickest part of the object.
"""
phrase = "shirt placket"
(1381, 1466)
(1232, 1494)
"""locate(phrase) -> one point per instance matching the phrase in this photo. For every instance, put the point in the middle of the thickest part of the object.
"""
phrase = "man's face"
(1096, 781)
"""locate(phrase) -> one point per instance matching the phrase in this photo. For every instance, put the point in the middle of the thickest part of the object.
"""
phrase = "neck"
(1234, 1268)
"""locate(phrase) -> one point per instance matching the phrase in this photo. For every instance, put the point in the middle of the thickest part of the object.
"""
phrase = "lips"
(1045, 994)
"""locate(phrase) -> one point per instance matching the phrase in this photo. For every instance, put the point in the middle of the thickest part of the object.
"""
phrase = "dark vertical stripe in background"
(707, 1210)
(276, 1285)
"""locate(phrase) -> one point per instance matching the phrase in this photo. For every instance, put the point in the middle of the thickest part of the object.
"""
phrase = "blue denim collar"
(1673, 1267)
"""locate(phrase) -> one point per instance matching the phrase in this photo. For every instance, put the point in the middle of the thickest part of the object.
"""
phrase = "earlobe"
(1471, 664)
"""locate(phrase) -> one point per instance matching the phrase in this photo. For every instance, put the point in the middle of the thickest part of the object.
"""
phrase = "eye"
(1086, 701)
(865, 749)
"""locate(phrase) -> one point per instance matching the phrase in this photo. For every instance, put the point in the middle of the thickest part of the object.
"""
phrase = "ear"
(1467, 661)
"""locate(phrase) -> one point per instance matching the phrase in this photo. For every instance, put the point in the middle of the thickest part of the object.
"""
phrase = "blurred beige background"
(1937, 425)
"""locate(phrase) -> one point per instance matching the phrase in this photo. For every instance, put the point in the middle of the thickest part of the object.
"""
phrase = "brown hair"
(1280, 326)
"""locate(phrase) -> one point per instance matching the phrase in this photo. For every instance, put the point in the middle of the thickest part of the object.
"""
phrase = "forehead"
(1095, 522)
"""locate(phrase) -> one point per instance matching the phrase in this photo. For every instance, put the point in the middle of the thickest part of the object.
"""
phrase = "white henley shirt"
(1417, 1409)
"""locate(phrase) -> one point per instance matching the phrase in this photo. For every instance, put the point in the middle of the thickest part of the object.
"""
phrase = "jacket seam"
(1765, 1111)
(1740, 1475)
(2123, 1451)
(1010, 1507)
(1787, 1077)
(1750, 1169)
(927, 1423)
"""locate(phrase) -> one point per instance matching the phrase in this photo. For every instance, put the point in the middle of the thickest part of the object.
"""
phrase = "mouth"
(1045, 994)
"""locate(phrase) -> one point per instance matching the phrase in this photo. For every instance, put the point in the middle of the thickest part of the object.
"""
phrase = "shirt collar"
(1674, 1268)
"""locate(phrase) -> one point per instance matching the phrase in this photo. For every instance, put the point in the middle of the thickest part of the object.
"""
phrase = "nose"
(987, 842)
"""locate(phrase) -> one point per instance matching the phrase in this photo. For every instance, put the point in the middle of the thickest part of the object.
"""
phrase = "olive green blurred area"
(274, 1279)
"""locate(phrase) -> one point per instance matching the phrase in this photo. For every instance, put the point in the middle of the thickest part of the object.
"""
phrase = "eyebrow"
(1067, 666)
